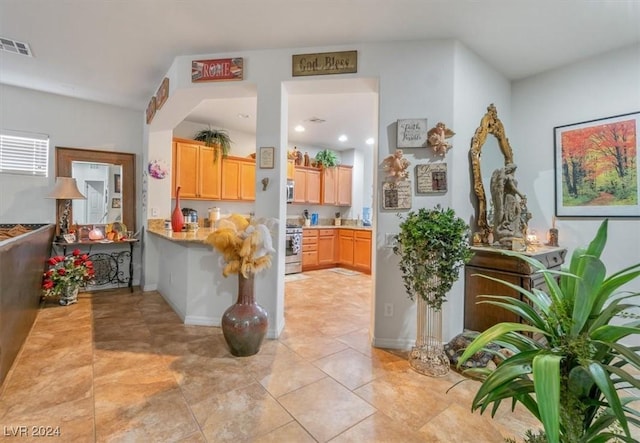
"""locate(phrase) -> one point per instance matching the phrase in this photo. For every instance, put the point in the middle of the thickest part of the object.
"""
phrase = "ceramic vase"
(69, 295)
(177, 219)
(244, 324)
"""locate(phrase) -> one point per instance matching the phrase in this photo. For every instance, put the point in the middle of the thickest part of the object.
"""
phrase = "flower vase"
(177, 219)
(68, 295)
(244, 324)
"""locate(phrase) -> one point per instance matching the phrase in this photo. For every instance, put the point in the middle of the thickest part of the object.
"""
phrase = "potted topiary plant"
(568, 378)
(215, 137)
(433, 244)
(327, 158)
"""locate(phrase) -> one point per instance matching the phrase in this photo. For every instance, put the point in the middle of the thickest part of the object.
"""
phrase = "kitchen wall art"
(157, 169)
(396, 195)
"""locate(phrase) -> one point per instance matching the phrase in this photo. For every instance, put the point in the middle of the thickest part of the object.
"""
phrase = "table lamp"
(65, 190)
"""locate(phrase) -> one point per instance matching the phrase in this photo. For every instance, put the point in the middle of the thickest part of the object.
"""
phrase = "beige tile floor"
(121, 367)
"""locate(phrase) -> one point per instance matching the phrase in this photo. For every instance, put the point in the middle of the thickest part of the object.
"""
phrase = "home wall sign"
(151, 109)
(431, 178)
(396, 195)
(412, 133)
(345, 62)
(163, 93)
(221, 69)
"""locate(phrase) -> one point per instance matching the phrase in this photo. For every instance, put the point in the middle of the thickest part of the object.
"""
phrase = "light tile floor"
(121, 367)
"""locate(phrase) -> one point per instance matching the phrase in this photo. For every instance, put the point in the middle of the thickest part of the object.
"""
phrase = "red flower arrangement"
(66, 273)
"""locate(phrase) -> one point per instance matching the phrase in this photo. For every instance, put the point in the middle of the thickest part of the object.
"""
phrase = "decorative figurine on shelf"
(306, 159)
(437, 138)
(396, 166)
(297, 156)
(510, 213)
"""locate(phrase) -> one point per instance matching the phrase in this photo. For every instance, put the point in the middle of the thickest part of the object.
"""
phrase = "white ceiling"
(118, 51)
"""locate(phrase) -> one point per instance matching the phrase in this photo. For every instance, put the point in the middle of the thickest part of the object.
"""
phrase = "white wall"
(476, 86)
(598, 87)
(69, 122)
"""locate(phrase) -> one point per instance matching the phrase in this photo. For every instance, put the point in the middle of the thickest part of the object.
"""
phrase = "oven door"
(293, 248)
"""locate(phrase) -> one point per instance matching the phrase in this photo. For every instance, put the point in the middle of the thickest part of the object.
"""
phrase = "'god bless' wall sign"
(345, 62)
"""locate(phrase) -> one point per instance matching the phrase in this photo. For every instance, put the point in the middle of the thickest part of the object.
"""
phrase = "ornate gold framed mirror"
(490, 124)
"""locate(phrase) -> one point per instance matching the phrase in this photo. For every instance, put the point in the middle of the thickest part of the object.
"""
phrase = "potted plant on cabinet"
(215, 137)
(433, 244)
(326, 158)
(578, 365)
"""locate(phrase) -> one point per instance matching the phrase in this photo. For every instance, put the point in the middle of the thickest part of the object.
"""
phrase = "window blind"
(24, 154)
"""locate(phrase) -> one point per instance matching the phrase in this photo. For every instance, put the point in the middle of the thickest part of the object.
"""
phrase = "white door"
(96, 207)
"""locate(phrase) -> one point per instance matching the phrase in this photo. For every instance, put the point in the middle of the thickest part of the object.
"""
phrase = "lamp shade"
(65, 189)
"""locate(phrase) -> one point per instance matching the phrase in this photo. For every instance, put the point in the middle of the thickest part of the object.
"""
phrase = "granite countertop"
(198, 236)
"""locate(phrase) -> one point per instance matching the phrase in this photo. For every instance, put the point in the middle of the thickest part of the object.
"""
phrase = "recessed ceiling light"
(343, 138)
(370, 141)
(243, 115)
(299, 128)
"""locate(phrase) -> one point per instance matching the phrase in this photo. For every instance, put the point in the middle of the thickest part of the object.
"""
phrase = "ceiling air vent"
(9, 45)
(316, 120)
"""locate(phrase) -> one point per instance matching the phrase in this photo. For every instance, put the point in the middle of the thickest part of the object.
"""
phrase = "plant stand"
(427, 356)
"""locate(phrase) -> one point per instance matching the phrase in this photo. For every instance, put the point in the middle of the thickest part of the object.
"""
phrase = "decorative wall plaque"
(163, 93)
(151, 109)
(220, 69)
(345, 62)
(396, 195)
(412, 133)
(431, 178)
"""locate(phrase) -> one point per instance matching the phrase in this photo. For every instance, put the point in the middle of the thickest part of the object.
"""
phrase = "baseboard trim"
(392, 343)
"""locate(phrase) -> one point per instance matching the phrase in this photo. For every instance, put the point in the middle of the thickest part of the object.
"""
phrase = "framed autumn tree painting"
(596, 168)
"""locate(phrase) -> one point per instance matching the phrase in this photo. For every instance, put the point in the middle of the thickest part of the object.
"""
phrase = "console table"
(490, 262)
(115, 266)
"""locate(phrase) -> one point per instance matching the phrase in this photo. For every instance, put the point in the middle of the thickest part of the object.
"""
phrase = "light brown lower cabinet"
(347, 248)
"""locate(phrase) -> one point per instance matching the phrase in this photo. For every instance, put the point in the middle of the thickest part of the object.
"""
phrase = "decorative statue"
(396, 166)
(437, 138)
(510, 213)
(306, 159)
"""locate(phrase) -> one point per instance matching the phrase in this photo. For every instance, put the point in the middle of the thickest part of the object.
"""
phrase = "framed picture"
(267, 157)
(163, 93)
(431, 178)
(116, 203)
(412, 133)
(596, 168)
(117, 184)
(396, 195)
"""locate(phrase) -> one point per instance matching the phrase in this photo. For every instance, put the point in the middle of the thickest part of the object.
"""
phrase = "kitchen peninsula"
(190, 271)
(190, 276)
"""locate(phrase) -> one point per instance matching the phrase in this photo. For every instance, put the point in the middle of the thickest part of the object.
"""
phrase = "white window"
(24, 153)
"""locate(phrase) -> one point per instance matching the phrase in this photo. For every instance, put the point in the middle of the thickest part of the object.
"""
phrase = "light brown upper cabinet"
(195, 170)
(307, 185)
(238, 179)
(344, 185)
(336, 185)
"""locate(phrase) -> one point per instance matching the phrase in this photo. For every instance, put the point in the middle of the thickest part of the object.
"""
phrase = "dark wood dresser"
(490, 262)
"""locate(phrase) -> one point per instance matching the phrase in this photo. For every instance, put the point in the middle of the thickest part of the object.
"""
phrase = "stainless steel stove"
(293, 247)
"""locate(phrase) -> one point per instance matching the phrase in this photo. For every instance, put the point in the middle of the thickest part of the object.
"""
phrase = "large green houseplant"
(433, 244)
(215, 137)
(570, 374)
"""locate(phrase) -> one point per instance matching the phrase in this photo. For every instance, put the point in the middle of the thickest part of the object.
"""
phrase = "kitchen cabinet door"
(345, 246)
(248, 181)
(362, 251)
(313, 186)
(209, 173)
(306, 186)
(326, 247)
(329, 186)
(238, 179)
(344, 185)
(299, 186)
(186, 167)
